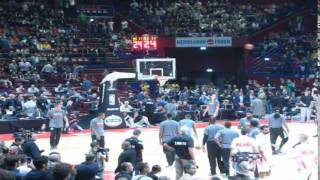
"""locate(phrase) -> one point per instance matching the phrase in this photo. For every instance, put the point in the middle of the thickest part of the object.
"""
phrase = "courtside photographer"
(101, 155)
(29, 147)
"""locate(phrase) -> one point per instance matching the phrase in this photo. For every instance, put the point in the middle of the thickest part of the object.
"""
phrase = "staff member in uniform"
(183, 146)
(56, 117)
(214, 150)
(168, 130)
(136, 144)
(212, 107)
(277, 123)
(224, 138)
(97, 129)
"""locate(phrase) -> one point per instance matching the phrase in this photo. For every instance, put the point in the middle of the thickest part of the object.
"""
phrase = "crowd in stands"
(290, 52)
(206, 18)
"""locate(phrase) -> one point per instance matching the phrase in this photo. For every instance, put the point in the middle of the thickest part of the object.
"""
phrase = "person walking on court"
(306, 158)
(264, 147)
(56, 118)
(212, 107)
(245, 121)
(168, 130)
(224, 139)
(97, 129)
(127, 155)
(214, 150)
(183, 146)
(136, 144)
(191, 125)
(278, 127)
(254, 129)
(257, 107)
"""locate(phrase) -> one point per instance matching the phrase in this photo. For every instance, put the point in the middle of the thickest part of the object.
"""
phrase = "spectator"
(144, 169)
(53, 159)
(11, 164)
(24, 167)
(127, 155)
(63, 171)
(88, 169)
(156, 169)
(125, 171)
(41, 170)
(87, 85)
(6, 175)
(189, 171)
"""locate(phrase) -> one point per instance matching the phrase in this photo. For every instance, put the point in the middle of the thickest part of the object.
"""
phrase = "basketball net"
(161, 79)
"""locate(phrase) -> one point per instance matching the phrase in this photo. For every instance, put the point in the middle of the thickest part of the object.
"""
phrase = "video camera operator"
(29, 147)
(101, 156)
(244, 152)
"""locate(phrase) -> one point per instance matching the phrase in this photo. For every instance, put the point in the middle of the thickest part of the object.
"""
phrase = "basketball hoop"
(161, 79)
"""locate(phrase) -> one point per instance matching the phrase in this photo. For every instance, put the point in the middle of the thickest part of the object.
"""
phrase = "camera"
(103, 150)
(245, 156)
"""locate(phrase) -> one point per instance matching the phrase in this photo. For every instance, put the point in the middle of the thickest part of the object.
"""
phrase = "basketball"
(249, 46)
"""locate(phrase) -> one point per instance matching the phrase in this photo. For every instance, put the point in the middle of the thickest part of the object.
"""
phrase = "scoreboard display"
(144, 42)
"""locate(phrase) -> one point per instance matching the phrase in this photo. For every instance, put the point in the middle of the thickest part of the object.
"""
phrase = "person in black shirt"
(149, 108)
(125, 171)
(18, 141)
(128, 155)
(306, 106)
(41, 172)
(11, 164)
(30, 148)
(136, 144)
(88, 169)
(183, 146)
(155, 170)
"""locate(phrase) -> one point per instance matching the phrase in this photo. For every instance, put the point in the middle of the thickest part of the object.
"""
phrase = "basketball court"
(73, 147)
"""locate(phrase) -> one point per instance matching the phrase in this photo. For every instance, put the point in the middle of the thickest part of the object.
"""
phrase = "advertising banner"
(203, 41)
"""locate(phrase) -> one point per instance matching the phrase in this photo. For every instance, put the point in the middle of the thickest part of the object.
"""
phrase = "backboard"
(149, 69)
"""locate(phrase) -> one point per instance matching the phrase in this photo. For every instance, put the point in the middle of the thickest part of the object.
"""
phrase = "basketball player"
(264, 147)
(191, 125)
(56, 117)
(305, 155)
(212, 107)
(168, 130)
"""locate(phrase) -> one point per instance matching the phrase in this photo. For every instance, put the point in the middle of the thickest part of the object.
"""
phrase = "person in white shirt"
(23, 168)
(189, 172)
(144, 170)
(265, 150)
(305, 155)
(20, 89)
(126, 107)
(30, 107)
(244, 144)
(33, 89)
